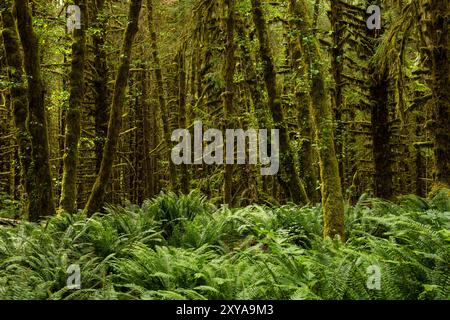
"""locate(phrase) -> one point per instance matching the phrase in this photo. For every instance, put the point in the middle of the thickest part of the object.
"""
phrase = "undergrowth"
(183, 247)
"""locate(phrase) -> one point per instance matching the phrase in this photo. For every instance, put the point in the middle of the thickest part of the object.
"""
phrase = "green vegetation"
(183, 247)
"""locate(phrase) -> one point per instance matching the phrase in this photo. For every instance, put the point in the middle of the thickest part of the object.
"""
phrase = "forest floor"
(183, 247)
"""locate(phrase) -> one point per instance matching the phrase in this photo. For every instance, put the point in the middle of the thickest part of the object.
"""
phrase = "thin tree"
(100, 81)
(289, 179)
(230, 64)
(161, 92)
(96, 198)
(322, 116)
(73, 116)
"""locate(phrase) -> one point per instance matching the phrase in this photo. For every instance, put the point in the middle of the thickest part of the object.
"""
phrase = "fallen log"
(9, 222)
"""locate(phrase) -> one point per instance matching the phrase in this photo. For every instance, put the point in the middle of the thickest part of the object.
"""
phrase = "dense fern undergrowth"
(183, 247)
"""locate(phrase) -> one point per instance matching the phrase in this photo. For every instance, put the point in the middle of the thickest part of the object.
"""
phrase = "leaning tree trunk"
(322, 116)
(41, 197)
(435, 25)
(288, 178)
(19, 99)
(98, 192)
(73, 117)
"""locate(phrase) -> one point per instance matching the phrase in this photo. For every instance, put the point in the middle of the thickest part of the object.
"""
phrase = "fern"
(182, 247)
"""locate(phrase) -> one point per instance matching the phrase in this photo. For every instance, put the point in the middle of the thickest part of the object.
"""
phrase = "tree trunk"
(161, 93)
(182, 120)
(337, 65)
(288, 178)
(101, 94)
(332, 199)
(97, 195)
(73, 117)
(381, 128)
(41, 197)
(435, 25)
(381, 134)
(19, 99)
(147, 169)
(230, 64)
(307, 171)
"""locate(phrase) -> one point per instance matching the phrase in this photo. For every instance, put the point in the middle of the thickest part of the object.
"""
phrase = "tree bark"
(101, 93)
(41, 197)
(19, 99)
(435, 25)
(98, 192)
(161, 93)
(337, 60)
(73, 117)
(230, 65)
(322, 116)
(381, 134)
(381, 128)
(288, 178)
(183, 112)
(308, 171)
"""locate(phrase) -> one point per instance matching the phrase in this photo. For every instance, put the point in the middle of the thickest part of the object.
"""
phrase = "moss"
(292, 185)
(73, 120)
(96, 198)
(322, 118)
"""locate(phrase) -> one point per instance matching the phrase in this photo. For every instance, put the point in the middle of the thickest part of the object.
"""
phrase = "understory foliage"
(183, 247)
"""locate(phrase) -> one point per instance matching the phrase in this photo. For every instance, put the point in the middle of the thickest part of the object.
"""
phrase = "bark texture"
(322, 116)
(41, 196)
(73, 117)
(98, 192)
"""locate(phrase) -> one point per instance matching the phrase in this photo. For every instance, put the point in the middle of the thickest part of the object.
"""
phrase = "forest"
(225, 149)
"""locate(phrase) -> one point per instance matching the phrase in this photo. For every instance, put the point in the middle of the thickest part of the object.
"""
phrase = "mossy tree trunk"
(380, 120)
(183, 112)
(100, 82)
(435, 30)
(98, 192)
(308, 171)
(73, 117)
(161, 92)
(322, 116)
(41, 196)
(229, 69)
(381, 133)
(254, 87)
(337, 66)
(289, 179)
(19, 99)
